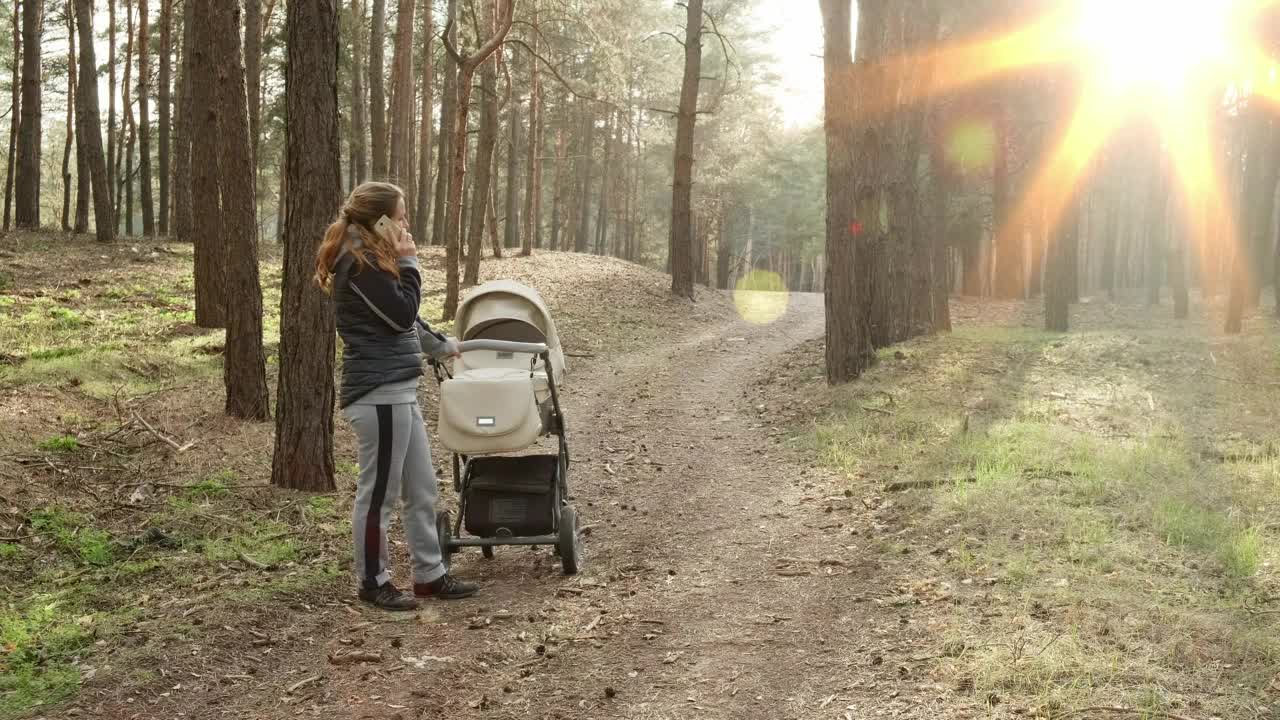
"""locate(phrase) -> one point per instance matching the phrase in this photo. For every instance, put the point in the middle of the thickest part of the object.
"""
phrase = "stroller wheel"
(444, 533)
(487, 551)
(570, 545)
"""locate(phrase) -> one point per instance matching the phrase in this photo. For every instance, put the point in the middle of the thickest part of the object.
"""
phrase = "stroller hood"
(508, 310)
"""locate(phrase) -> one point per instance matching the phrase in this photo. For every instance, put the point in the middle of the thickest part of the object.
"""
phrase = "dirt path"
(716, 585)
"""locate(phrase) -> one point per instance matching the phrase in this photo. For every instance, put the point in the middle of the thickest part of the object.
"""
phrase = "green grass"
(59, 443)
(215, 486)
(74, 535)
(1052, 473)
(39, 641)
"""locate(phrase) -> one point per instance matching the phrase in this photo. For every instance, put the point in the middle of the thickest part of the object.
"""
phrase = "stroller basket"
(511, 496)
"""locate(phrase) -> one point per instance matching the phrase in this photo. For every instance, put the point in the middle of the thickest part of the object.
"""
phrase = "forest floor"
(993, 523)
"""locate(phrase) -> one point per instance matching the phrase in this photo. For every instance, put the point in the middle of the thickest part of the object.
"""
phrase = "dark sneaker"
(447, 587)
(387, 597)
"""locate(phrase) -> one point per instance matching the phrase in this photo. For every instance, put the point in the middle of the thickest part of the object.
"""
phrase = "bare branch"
(670, 35)
(448, 44)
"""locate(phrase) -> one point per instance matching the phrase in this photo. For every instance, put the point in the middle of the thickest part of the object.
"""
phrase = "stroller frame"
(566, 535)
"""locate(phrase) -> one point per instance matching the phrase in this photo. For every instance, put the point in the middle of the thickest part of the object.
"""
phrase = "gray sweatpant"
(395, 461)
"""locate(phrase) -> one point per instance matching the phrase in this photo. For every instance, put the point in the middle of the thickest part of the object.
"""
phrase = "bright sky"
(797, 45)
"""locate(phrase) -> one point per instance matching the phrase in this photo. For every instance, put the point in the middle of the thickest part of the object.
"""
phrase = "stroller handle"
(502, 346)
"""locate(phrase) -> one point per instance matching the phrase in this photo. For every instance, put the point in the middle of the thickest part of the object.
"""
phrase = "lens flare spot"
(971, 145)
(761, 297)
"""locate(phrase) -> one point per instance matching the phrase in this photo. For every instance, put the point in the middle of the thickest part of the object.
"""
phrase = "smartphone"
(387, 229)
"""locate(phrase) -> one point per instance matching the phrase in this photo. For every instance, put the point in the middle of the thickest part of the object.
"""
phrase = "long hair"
(367, 203)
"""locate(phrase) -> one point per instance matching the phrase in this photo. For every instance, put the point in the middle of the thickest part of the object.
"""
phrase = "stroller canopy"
(507, 310)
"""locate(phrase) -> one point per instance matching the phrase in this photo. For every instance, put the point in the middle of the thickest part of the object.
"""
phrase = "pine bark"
(681, 245)
(113, 144)
(511, 236)
(15, 112)
(422, 207)
(533, 145)
(69, 144)
(466, 71)
(401, 155)
(359, 102)
(377, 90)
(481, 190)
(164, 97)
(182, 141)
(207, 234)
(253, 76)
(89, 126)
(27, 180)
(128, 130)
(244, 368)
(144, 119)
(303, 456)
(444, 155)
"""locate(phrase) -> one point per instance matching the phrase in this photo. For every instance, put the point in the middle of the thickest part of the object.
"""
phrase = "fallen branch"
(300, 684)
(902, 485)
(251, 562)
(167, 440)
(355, 657)
(1127, 711)
(876, 410)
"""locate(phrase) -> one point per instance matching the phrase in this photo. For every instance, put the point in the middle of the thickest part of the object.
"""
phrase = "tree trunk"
(941, 187)
(90, 127)
(534, 144)
(402, 100)
(83, 181)
(253, 77)
(1009, 283)
(303, 458)
(144, 119)
(557, 189)
(377, 93)
(128, 130)
(457, 169)
(444, 154)
(848, 346)
(422, 207)
(244, 369)
(492, 206)
(1259, 197)
(15, 110)
(113, 140)
(130, 173)
(27, 192)
(602, 205)
(1109, 241)
(480, 190)
(359, 100)
(70, 139)
(583, 196)
(1178, 267)
(210, 256)
(1057, 294)
(1156, 212)
(681, 249)
(165, 99)
(511, 234)
(183, 135)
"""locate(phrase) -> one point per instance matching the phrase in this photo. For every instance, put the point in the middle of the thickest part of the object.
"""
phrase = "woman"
(374, 279)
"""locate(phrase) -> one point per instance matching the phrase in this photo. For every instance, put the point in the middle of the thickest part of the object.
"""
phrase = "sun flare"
(1150, 45)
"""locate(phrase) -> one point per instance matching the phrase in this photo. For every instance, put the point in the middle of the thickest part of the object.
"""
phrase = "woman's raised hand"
(405, 245)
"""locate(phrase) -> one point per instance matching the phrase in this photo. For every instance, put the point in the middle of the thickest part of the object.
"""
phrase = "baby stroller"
(500, 399)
